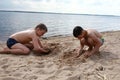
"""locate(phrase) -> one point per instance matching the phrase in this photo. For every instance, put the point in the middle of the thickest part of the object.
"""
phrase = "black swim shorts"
(11, 42)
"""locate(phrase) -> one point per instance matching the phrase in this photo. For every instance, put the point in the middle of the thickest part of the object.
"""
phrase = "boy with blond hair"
(24, 41)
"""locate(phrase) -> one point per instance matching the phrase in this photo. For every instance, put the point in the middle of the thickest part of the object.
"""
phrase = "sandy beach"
(61, 64)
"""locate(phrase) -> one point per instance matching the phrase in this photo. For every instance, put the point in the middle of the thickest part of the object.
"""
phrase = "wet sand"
(61, 64)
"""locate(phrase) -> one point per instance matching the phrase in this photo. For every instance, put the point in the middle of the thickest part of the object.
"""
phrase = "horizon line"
(55, 13)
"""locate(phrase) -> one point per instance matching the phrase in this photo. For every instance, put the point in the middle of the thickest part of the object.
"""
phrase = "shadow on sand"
(104, 56)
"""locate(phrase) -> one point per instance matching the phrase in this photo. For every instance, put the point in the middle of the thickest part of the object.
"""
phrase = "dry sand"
(60, 64)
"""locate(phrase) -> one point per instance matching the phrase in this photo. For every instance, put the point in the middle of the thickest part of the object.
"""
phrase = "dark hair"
(41, 26)
(77, 31)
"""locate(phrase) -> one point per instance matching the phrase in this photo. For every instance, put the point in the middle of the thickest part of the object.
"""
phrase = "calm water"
(58, 24)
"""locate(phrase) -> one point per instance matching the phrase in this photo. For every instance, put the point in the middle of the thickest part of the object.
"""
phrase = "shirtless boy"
(91, 38)
(22, 42)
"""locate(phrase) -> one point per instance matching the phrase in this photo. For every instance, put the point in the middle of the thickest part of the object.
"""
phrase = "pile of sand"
(61, 63)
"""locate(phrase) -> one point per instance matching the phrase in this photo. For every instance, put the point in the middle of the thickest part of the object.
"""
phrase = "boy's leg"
(87, 52)
(5, 51)
(29, 45)
(17, 49)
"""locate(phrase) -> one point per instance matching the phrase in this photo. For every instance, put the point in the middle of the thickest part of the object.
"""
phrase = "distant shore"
(55, 13)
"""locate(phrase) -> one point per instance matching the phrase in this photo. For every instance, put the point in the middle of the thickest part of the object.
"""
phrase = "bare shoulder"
(34, 35)
(82, 41)
(93, 32)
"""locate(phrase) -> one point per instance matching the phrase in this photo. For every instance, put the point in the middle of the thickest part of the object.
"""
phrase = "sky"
(101, 7)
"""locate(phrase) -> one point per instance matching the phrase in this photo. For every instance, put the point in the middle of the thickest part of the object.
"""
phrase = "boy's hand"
(80, 52)
(87, 54)
(46, 51)
(42, 52)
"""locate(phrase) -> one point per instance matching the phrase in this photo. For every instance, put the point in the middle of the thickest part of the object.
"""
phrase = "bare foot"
(5, 51)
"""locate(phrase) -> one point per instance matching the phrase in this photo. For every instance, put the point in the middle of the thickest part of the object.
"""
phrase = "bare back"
(94, 32)
(24, 36)
(93, 37)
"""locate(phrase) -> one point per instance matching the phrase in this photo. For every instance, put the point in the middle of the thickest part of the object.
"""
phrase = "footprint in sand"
(74, 78)
(9, 78)
(4, 61)
(18, 74)
(5, 66)
(40, 71)
(33, 77)
(39, 66)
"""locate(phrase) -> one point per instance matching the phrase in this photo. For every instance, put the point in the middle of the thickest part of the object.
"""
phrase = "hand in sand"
(87, 54)
(79, 53)
(47, 51)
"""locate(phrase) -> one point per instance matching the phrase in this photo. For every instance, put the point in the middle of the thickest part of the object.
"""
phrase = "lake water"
(58, 24)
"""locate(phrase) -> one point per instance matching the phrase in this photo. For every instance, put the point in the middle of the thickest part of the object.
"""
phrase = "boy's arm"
(80, 49)
(40, 44)
(37, 46)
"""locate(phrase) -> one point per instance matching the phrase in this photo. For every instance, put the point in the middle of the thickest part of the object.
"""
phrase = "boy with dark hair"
(91, 38)
(22, 42)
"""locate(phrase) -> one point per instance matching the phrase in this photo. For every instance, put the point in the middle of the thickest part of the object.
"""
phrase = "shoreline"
(17, 11)
(61, 64)
(64, 36)
(67, 35)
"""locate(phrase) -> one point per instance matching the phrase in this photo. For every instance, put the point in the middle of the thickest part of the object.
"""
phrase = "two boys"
(24, 41)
